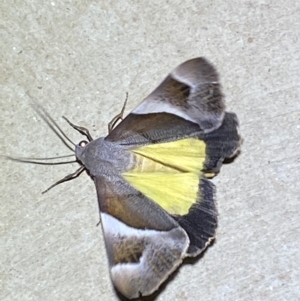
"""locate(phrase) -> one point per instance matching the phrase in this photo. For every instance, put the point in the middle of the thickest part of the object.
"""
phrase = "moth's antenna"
(63, 137)
(53, 125)
(39, 160)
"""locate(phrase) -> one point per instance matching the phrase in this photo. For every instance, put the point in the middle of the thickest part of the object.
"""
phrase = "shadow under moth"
(152, 175)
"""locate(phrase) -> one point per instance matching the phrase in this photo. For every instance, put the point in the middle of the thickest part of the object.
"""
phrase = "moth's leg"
(80, 129)
(118, 117)
(67, 178)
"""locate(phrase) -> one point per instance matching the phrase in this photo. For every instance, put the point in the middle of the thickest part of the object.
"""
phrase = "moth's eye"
(83, 143)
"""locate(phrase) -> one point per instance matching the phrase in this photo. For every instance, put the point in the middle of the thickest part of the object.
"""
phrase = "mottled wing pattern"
(191, 91)
(144, 244)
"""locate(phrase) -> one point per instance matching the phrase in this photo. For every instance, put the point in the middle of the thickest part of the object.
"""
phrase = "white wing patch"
(162, 252)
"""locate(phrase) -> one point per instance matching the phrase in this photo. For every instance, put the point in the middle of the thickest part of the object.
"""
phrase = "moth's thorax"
(101, 157)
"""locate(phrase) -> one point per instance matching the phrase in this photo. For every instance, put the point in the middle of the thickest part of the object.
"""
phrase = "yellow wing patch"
(184, 155)
(174, 192)
(169, 173)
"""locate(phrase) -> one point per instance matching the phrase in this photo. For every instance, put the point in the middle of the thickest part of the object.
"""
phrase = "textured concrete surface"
(78, 58)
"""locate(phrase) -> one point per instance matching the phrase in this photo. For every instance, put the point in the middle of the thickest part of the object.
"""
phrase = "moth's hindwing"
(172, 159)
(162, 208)
(223, 143)
(170, 174)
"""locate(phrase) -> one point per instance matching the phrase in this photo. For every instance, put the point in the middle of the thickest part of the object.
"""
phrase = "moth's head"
(80, 150)
(87, 154)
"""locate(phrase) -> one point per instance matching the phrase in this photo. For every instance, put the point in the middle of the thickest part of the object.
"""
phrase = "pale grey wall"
(78, 58)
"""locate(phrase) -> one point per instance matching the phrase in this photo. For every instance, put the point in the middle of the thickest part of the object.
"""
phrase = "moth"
(152, 176)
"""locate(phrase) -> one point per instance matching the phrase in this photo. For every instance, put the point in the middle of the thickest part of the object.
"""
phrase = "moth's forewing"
(191, 91)
(144, 244)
